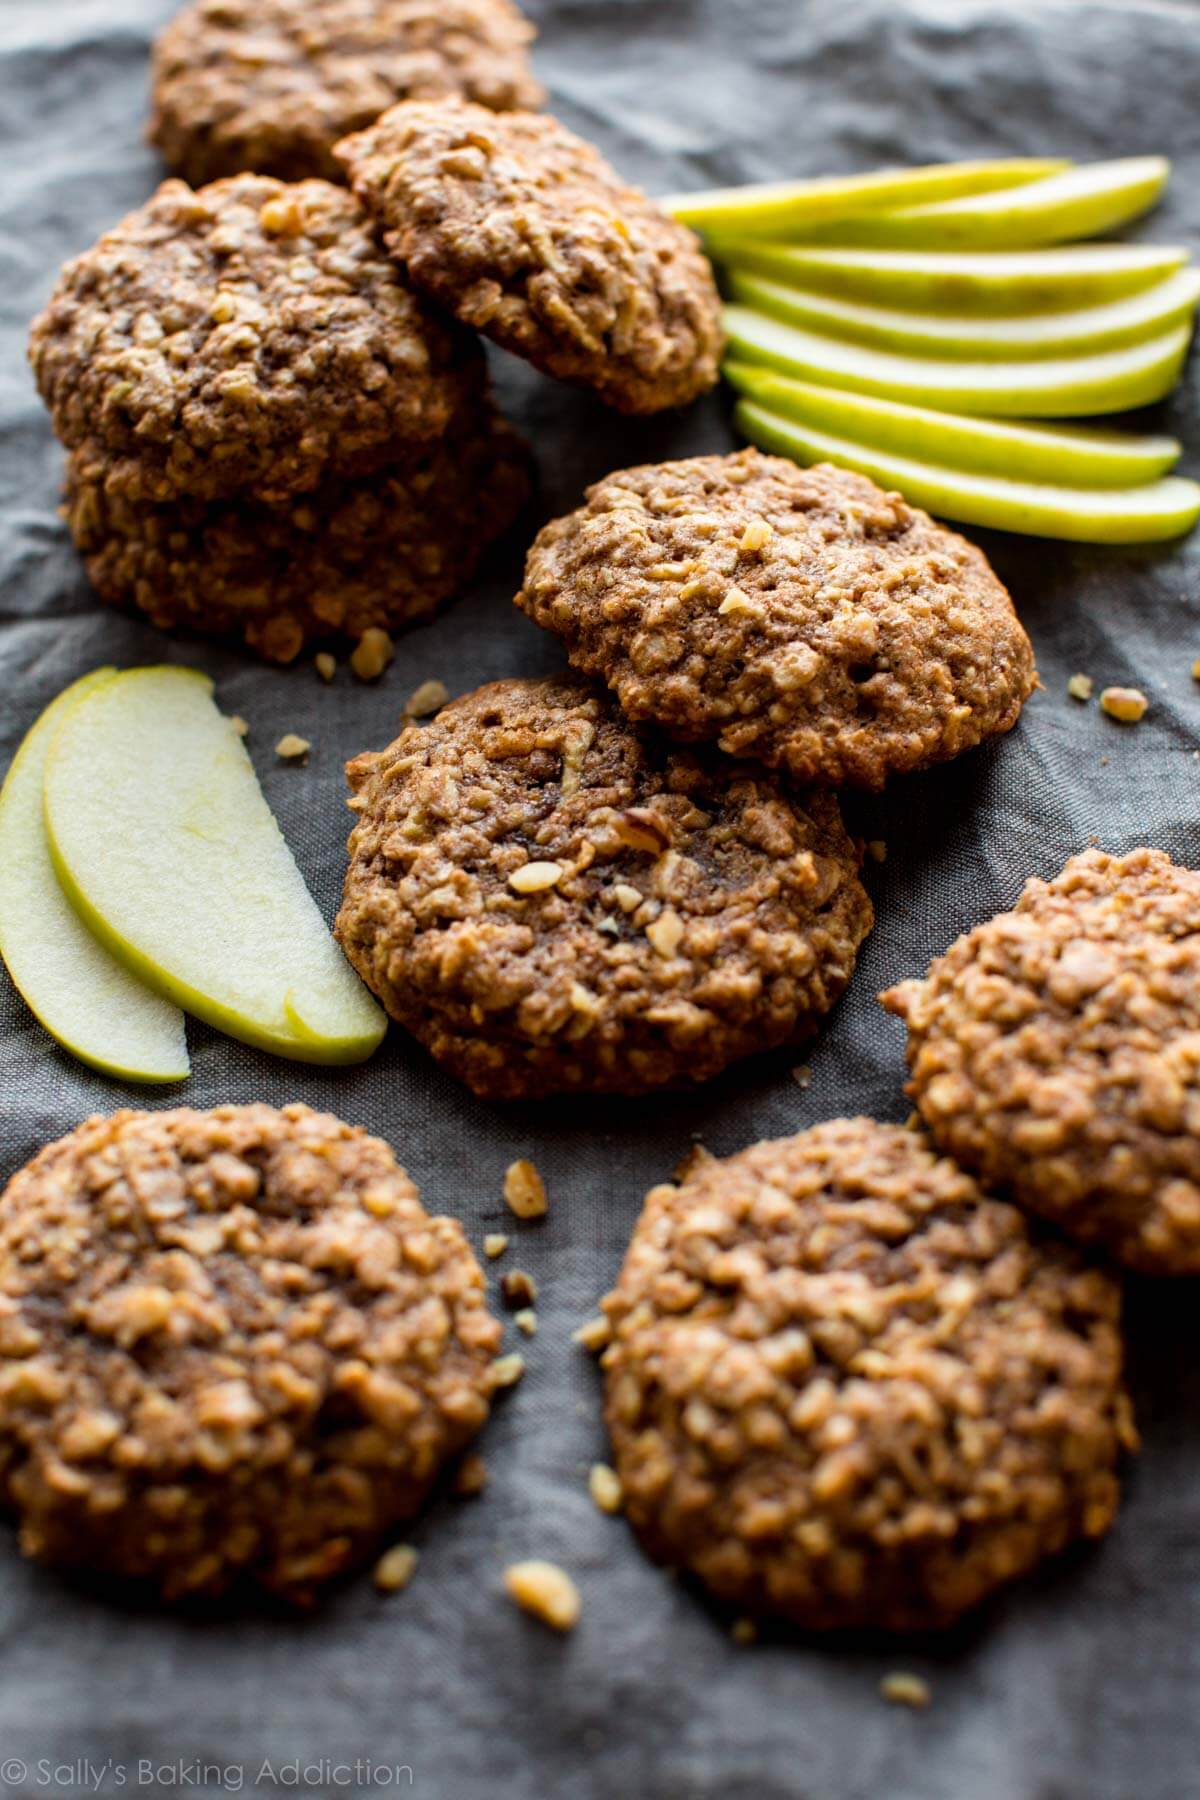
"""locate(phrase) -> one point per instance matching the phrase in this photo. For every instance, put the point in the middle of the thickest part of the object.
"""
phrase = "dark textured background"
(1080, 1686)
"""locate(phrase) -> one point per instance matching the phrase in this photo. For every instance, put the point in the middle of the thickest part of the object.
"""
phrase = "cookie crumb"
(471, 1476)
(877, 850)
(604, 1485)
(593, 1336)
(430, 697)
(1126, 704)
(509, 1369)
(744, 1631)
(1081, 687)
(1196, 669)
(904, 1689)
(239, 726)
(802, 1075)
(291, 748)
(395, 1568)
(518, 1288)
(526, 1321)
(372, 654)
(524, 1190)
(545, 1591)
(495, 1244)
(326, 665)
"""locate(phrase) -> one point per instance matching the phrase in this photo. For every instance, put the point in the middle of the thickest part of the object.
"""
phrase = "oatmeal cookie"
(800, 616)
(552, 902)
(522, 230)
(251, 337)
(271, 85)
(235, 1345)
(383, 551)
(1055, 1050)
(846, 1387)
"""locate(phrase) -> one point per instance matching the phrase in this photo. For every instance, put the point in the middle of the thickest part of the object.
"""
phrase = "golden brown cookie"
(271, 85)
(235, 1345)
(800, 616)
(385, 551)
(522, 230)
(247, 338)
(552, 902)
(846, 1387)
(1055, 1050)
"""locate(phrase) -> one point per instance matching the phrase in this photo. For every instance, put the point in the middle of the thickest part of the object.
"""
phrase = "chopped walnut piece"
(666, 932)
(638, 828)
(802, 1075)
(526, 1321)
(756, 536)
(471, 1476)
(509, 1369)
(593, 1336)
(395, 1568)
(546, 1591)
(291, 748)
(904, 1689)
(495, 1244)
(535, 877)
(524, 1190)
(429, 698)
(1126, 704)
(326, 665)
(1081, 687)
(372, 654)
(604, 1485)
(518, 1288)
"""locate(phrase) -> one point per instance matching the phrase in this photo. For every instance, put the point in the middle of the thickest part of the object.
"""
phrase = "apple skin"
(1064, 207)
(1078, 332)
(1160, 510)
(774, 208)
(84, 998)
(981, 282)
(278, 1035)
(1062, 455)
(1111, 381)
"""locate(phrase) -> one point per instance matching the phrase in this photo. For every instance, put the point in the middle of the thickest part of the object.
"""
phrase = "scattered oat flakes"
(1126, 704)
(1081, 687)
(239, 725)
(524, 1190)
(471, 1476)
(535, 877)
(802, 1075)
(744, 1631)
(604, 1485)
(326, 665)
(526, 1321)
(904, 1689)
(395, 1568)
(495, 1244)
(372, 654)
(430, 697)
(291, 748)
(546, 1591)
(518, 1288)
(594, 1335)
(509, 1369)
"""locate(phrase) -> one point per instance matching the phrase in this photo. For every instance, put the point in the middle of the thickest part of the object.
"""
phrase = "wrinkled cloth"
(1078, 1685)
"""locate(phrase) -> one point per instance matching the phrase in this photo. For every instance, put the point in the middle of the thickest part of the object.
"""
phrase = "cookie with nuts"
(522, 230)
(554, 902)
(847, 1387)
(352, 557)
(271, 85)
(247, 339)
(236, 1348)
(800, 616)
(1055, 1050)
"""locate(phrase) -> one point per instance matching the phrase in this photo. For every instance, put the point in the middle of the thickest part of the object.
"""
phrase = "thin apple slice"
(1161, 509)
(1061, 208)
(1053, 388)
(82, 995)
(965, 281)
(775, 208)
(1034, 335)
(1074, 455)
(165, 845)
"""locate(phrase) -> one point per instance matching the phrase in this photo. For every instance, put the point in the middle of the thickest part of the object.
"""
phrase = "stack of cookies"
(270, 435)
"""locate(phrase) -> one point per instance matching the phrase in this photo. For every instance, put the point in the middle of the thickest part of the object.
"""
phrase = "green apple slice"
(965, 281)
(1054, 387)
(1067, 206)
(1088, 328)
(81, 994)
(1158, 510)
(165, 845)
(775, 208)
(1074, 455)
